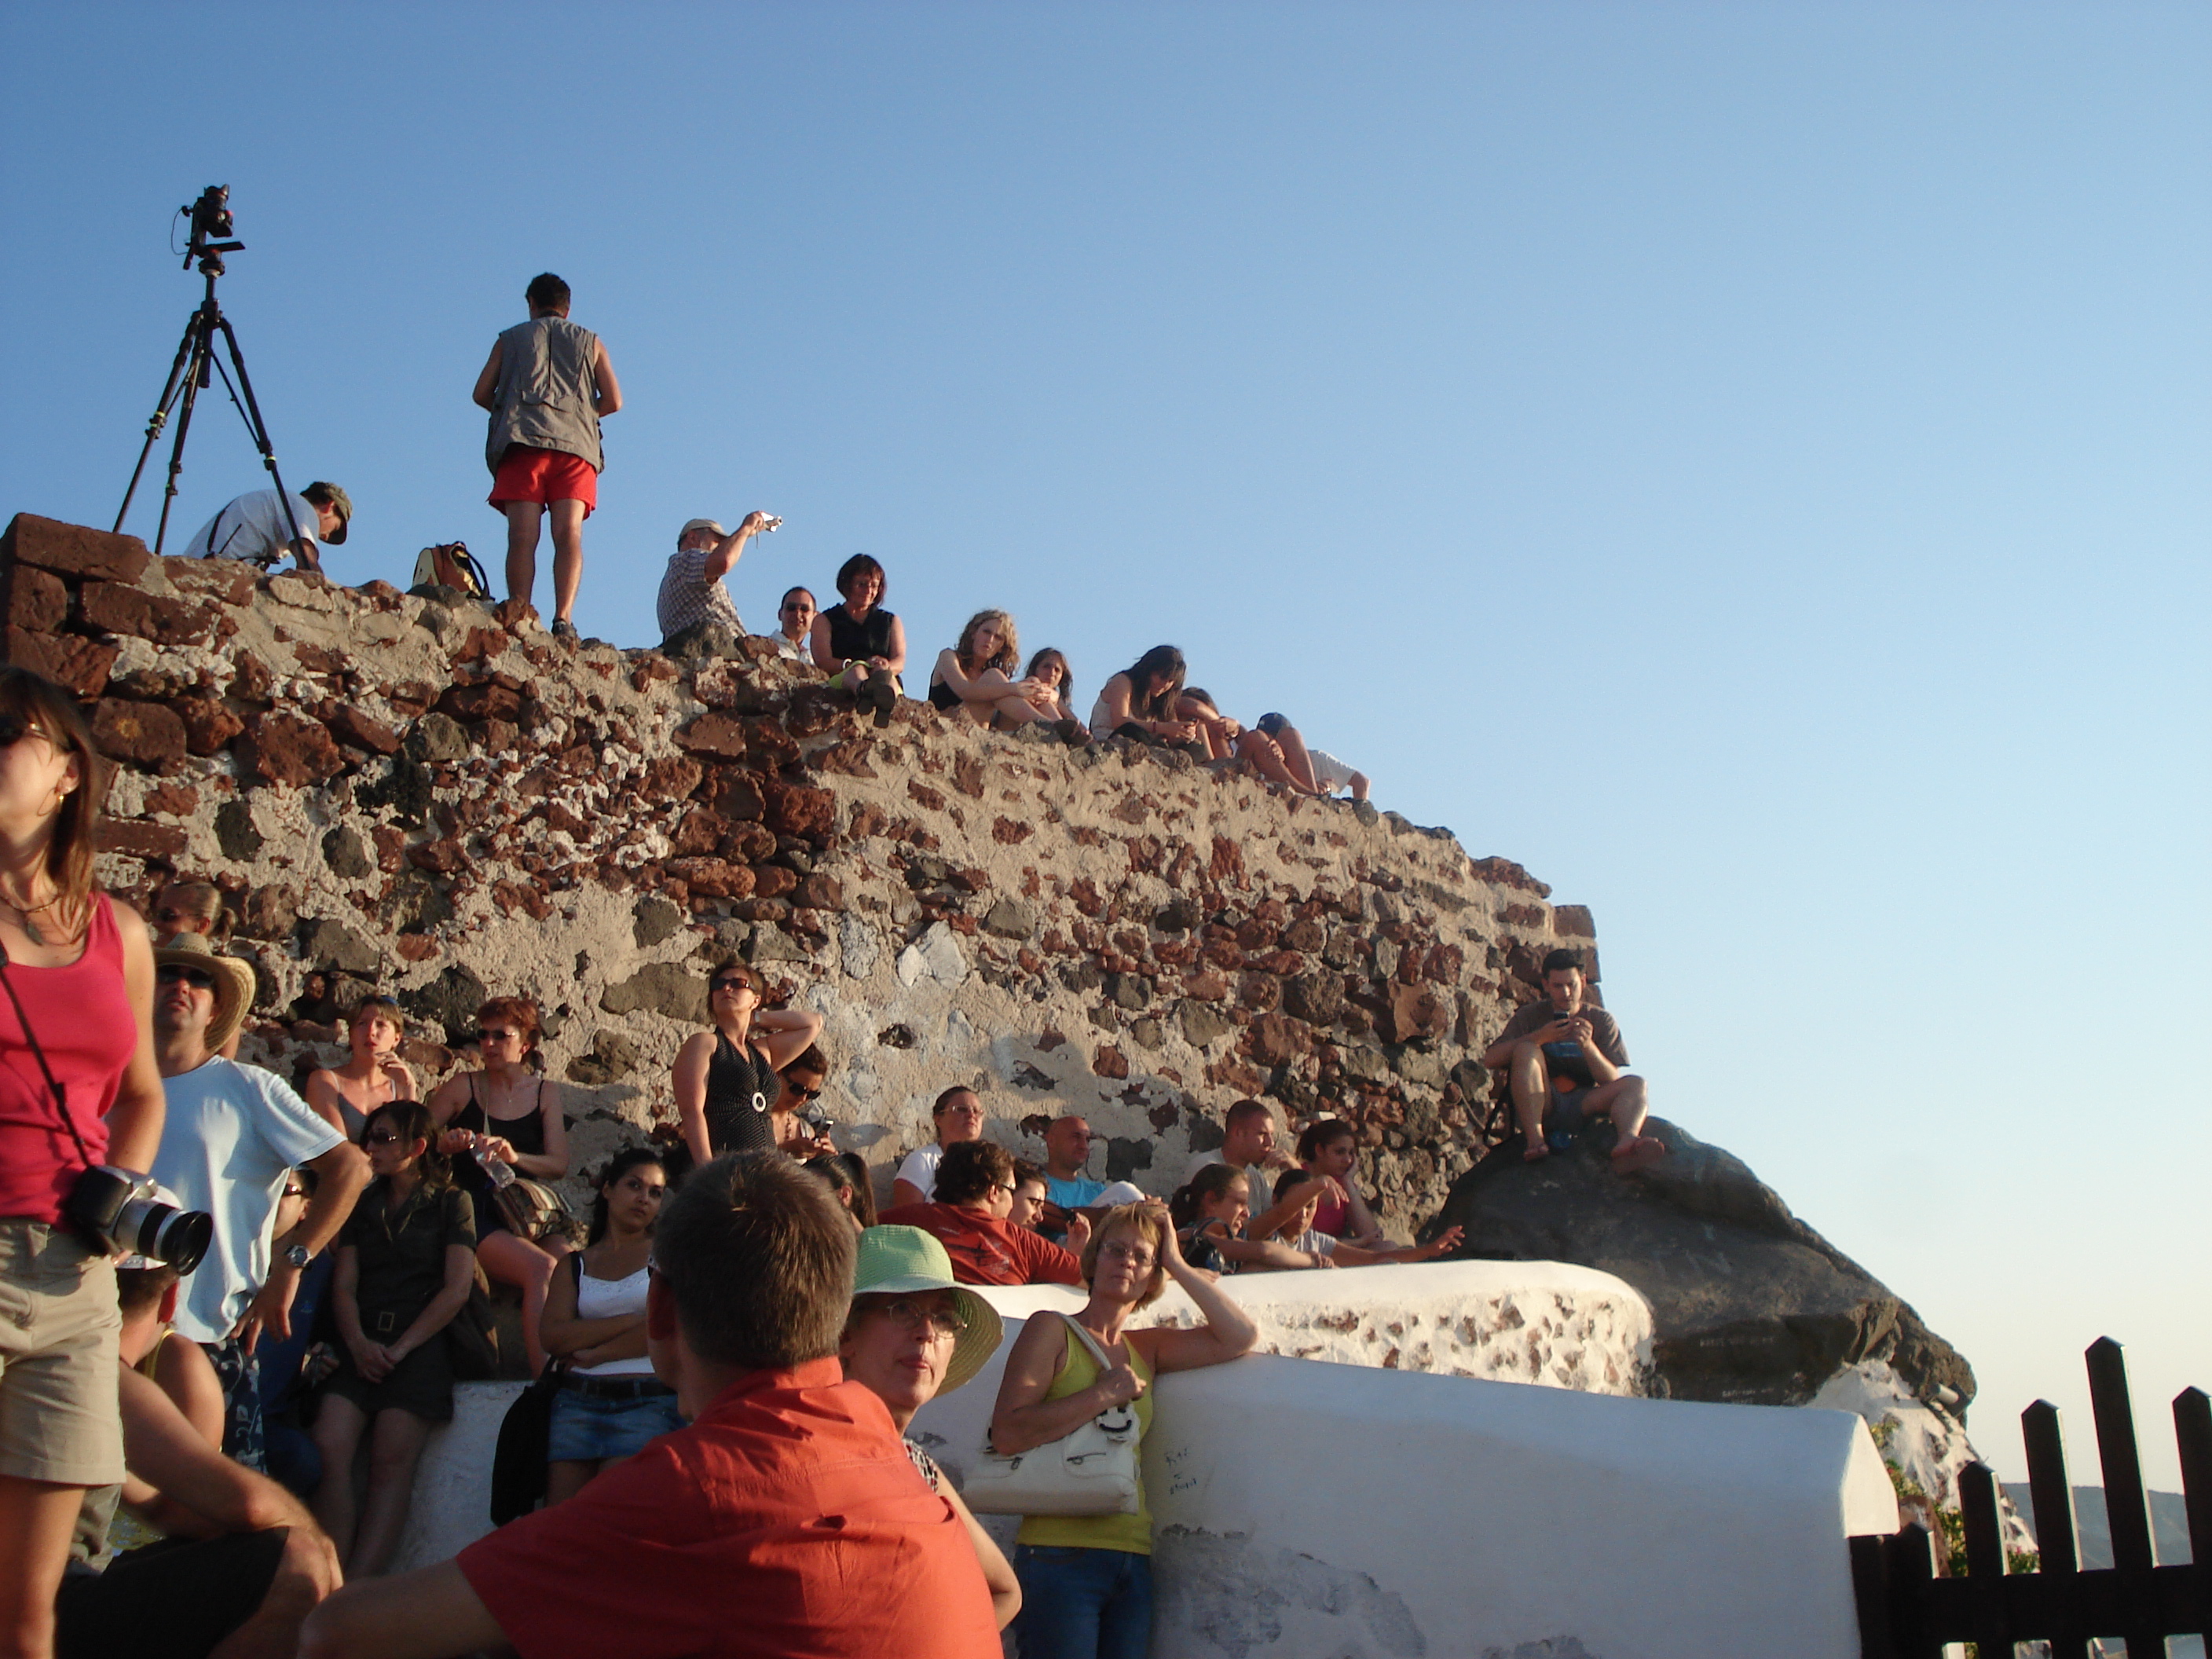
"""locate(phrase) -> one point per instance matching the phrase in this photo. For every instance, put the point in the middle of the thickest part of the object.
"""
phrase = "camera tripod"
(195, 361)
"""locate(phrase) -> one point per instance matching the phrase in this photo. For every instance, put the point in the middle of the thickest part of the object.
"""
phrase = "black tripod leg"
(195, 375)
(256, 426)
(169, 390)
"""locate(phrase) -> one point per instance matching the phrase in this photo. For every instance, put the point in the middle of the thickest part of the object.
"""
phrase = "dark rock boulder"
(1749, 1305)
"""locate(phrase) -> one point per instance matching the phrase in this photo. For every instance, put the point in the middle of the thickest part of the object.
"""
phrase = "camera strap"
(61, 1099)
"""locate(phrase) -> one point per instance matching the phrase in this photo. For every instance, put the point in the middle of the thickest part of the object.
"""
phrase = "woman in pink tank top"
(78, 1086)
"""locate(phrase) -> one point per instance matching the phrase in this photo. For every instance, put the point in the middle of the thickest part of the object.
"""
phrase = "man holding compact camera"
(232, 1133)
(1565, 1058)
(691, 592)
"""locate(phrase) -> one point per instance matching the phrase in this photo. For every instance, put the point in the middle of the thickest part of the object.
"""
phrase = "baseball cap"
(699, 524)
(340, 504)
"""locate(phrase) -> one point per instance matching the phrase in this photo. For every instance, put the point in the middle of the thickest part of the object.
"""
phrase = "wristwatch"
(298, 1256)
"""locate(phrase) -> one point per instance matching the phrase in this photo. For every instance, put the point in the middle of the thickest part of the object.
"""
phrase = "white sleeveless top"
(613, 1298)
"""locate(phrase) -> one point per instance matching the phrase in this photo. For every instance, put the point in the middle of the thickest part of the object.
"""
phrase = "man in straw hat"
(232, 1133)
(785, 1520)
(914, 1334)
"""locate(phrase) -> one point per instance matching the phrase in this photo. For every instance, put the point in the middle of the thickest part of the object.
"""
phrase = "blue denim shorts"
(585, 1430)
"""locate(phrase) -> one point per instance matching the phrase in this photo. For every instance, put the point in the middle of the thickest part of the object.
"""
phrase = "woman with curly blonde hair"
(976, 677)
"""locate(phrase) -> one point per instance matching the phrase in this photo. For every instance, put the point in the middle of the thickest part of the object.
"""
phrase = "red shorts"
(545, 475)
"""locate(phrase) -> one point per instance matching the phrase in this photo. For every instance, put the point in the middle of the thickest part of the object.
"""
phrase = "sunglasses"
(798, 1093)
(913, 1316)
(484, 1035)
(734, 983)
(177, 974)
(797, 605)
(380, 1138)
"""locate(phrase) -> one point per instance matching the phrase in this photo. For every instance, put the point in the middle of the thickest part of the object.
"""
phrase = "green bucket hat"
(894, 1259)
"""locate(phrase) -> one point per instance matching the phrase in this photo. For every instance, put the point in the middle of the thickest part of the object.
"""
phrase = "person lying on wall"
(1225, 738)
(1316, 769)
(974, 1196)
(1564, 1058)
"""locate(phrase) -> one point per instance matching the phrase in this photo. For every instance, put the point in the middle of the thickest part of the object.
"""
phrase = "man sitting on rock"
(975, 1197)
(1564, 1061)
(691, 590)
(795, 621)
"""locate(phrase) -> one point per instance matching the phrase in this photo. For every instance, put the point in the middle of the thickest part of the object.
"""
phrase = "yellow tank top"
(1132, 1533)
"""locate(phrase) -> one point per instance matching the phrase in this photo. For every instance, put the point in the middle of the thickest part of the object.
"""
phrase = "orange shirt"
(986, 1250)
(786, 1521)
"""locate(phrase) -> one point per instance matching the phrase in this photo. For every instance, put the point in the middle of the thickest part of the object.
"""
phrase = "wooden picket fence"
(1908, 1611)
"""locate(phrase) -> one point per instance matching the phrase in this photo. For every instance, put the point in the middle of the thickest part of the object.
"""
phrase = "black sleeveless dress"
(526, 1134)
(742, 1089)
(868, 638)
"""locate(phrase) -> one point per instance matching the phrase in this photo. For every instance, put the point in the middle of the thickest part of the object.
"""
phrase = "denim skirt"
(587, 1429)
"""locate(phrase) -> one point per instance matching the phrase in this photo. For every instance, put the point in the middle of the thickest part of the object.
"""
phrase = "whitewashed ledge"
(1361, 1507)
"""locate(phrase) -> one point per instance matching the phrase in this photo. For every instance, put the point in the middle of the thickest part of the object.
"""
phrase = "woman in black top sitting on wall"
(506, 1113)
(860, 645)
(726, 1081)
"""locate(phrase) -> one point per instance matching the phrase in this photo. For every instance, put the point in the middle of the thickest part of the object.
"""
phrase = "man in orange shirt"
(787, 1519)
(974, 1199)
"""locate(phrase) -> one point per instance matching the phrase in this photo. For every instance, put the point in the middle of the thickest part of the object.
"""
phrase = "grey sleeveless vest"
(544, 391)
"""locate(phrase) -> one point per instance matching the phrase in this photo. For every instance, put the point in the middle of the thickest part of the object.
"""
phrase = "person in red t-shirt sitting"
(788, 1518)
(974, 1196)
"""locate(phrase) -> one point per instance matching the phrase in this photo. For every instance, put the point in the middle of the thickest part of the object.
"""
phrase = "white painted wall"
(1323, 1511)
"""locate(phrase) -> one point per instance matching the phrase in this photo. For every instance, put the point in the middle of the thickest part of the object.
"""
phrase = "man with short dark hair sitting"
(1564, 1061)
(787, 1519)
(975, 1197)
(236, 1562)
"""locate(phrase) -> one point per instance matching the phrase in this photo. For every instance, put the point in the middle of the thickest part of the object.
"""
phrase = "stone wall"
(434, 798)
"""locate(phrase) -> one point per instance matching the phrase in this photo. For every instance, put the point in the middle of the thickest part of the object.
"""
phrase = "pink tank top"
(81, 1015)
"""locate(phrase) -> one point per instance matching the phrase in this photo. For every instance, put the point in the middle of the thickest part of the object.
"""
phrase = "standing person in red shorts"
(547, 384)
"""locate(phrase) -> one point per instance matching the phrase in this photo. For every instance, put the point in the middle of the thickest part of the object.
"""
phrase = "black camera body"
(120, 1213)
(210, 217)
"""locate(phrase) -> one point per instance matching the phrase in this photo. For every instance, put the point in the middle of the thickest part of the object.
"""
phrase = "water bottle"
(500, 1172)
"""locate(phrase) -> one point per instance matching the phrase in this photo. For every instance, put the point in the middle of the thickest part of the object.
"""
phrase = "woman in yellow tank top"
(1087, 1580)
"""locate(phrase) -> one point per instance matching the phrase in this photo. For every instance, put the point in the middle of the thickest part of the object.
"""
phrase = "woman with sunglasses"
(372, 1075)
(609, 1403)
(913, 1334)
(508, 1113)
(802, 1088)
(79, 1006)
(1087, 1580)
(726, 1080)
(406, 1262)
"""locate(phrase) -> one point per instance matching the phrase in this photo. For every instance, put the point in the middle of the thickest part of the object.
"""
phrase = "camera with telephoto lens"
(119, 1212)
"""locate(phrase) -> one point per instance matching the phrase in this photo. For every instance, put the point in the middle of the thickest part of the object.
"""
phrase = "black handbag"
(472, 1338)
(518, 1464)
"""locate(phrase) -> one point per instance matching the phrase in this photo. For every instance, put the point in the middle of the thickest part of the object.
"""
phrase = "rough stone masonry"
(428, 796)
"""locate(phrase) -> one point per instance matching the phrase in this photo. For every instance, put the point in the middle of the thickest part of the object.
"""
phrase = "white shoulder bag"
(1090, 1470)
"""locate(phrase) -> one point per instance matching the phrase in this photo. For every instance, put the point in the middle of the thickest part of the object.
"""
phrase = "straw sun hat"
(896, 1260)
(233, 983)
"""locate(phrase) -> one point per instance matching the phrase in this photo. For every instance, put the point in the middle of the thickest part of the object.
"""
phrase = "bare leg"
(273, 1632)
(522, 520)
(36, 1517)
(395, 1446)
(1294, 757)
(1531, 1090)
(338, 1426)
(517, 1261)
(1632, 1148)
(1259, 749)
(565, 1479)
(568, 558)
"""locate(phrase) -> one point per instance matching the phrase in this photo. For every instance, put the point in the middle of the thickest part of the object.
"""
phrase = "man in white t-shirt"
(1314, 767)
(795, 621)
(252, 527)
(691, 590)
(231, 1134)
(958, 1115)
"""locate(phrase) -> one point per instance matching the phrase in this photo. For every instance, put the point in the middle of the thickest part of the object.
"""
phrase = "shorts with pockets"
(60, 1417)
(545, 475)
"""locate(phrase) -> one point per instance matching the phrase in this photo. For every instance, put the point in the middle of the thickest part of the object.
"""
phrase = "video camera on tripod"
(196, 363)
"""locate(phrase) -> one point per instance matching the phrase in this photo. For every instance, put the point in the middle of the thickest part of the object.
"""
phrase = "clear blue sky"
(1747, 463)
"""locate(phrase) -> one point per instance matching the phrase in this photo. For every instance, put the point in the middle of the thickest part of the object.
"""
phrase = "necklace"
(26, 912)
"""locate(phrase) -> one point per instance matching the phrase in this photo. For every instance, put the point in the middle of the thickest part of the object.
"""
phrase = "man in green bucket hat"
(915, 1333)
